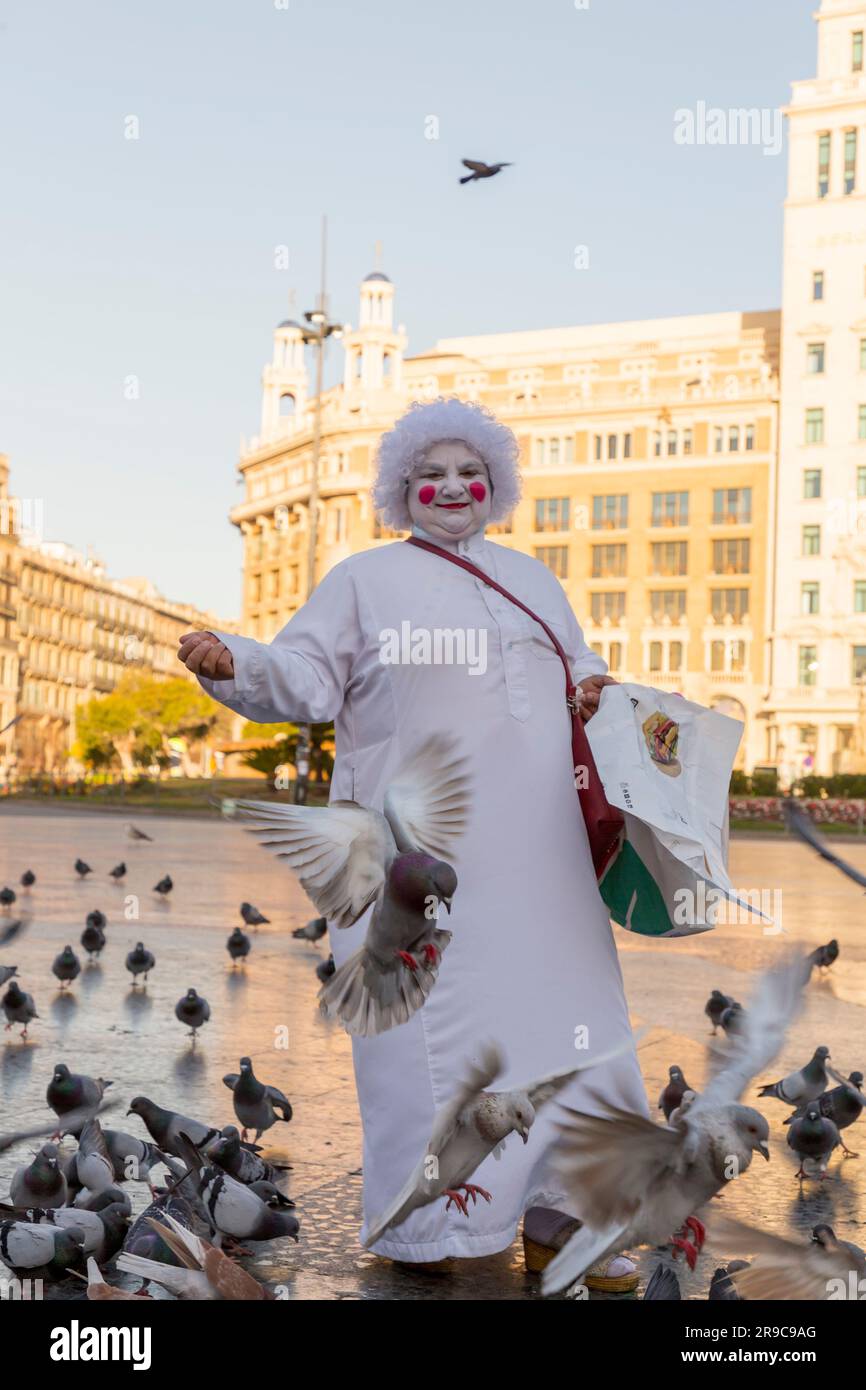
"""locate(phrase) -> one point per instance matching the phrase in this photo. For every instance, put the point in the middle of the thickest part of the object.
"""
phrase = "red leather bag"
(604, 823)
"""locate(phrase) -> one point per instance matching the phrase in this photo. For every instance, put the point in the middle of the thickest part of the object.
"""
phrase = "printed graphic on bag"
(662, 736)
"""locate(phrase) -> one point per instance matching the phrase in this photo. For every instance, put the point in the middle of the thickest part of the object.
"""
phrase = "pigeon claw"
(457, 1198)
(471, 1189)
(431, 955)
(407, 959)
(681, 1243)
(697, 1228)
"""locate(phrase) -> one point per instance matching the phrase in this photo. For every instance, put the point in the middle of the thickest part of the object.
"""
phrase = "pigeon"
(100, 1292)
(270, 1194)
(194, 1010)
(813, 1138)
(40, 1183)
(241, 1160)
(313, 931)
(252, 917)
(800, 823)
(234, 1211)
(82, 869)
(103, 1231)
(18, 1007)
(12, 929)
(238, 945)
(349, 858)
(97, 919)
(733, 1020)
(140, 961)
(164, 886)
(7, 972)
(118, 872)
(257, 1106)
(7, 897)
(475, 1122)
(94, 1167)
(722, 1288)
(135, 834)
(783, 1269)
(28, 878)
(325, 970)
(664, 1286)
(66, 966)
(164, 1126)
(715, 1007)
(132, 1158)
(145, 1238)
(481, 170)
(202, 1271)
(74, 1098)
(823, 956)
(843, 1104)
(634, 1182)
(93, 941)
(672, 1095)
(40, 1250)
(804, 1085)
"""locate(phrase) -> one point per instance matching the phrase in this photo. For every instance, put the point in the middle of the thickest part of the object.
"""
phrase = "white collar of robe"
(472, 545)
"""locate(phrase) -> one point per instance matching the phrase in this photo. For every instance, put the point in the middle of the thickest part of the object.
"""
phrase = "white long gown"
(532, 960)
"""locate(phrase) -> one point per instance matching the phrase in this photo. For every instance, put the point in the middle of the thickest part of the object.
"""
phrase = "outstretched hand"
(592, 687)
(206, 655)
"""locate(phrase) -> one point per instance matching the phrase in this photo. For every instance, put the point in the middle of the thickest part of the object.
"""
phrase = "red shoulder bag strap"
(603, 821)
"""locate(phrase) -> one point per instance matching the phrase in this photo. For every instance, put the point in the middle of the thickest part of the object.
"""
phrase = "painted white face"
(449, 493)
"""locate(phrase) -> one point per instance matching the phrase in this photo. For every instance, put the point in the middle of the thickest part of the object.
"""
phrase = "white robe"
(532, 961)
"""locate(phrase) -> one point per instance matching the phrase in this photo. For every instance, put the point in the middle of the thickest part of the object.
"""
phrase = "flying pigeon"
(313, 931)
(193, 1010)
(12, 929)
(82, 869)
(164, 886)
(202, 1273)
(238, 945)
(823, 956)
(28, 878)
(135, 834)
(722, 1289)
(672, 1095)
(164, 1126)
(349, 858)
(715, 1007)
(325, 970)
(813, 1138)
(118, 872)
(789, 1270)
(234, 1211)
(7, 897)
(66, 966)
(257, 1106)
(252, 917)
(480, 170)
(804, 1085)
(6, 973)
(18, 1007)
(40, 1183)
(475, 1122)
(72, 1095)
(140, 961)
(39, 1250)
(800, 822)
(634, 1181)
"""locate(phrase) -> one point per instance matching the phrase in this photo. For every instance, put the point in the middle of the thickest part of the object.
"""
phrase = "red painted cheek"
(426, 494)
(478, 490)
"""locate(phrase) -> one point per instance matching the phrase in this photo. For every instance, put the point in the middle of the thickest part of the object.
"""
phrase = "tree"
(284, 749)
(139, 717)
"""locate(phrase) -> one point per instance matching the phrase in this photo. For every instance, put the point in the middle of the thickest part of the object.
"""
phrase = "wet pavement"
(267, 1010)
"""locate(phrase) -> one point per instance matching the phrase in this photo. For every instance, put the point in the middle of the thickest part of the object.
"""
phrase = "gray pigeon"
(118, 872)
(164, 1126)
(256, 1105)
(350, 858)
(40, 1183)
(40, 1251)
(813, 1138)
(164, 886)
(94, 1167)
(715, 1007)
(18, 1007)
(823, 956)
(97, 918)
(238, 945)
(474, 1123)
(313, 931)
(783, 1269)
(804, 1085)
(93, 940)
(480, 170)
(634, 1182)
(6, 973)
(131, 1157)
(66, 966)
(140, 961)
(325, 970)
(82, 868)
(103, 1231)
(672, 1095)
(252, 917)
(201, 1273)
(145, 1237)
(7, 897)
(235, 1211)
(71, 1095)
(228, 1153)
(193, 1010)
(843, 1104)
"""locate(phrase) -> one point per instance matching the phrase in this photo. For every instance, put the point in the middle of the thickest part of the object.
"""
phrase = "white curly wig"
(426, 423)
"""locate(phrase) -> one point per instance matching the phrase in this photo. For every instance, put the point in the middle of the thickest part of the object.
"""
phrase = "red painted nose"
(426, 494)
(478, 490)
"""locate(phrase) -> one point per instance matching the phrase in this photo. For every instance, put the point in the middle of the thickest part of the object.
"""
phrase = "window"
(611, 446)
(539, 453)
(861, 480)
(718, 439)
(675, 656)
(860, 595)
(807, 665)
(568, 448)
(687, 441)
(809, 598)
(857, 51)
(815, 359)
(732, 506)
(811, 540)
(669, 558)
(858, 663)
(817, 284)
(850, 175)
(672, 442)
(611, 605)
(717, 656)
(552, 514)
(626, 446)
(670, 509)
(731, 556)
(734, 439)
(657, 443)
(863, 354)
(750, 437)
(861, 422)
(655, 656)
(610, 511)
(811, 482)
(815, 425)
(553, 452)
(823, 163)
(732, 603)
(614, 656)
(597, 447)
(667, 603)
(608, 561)
(555, 557)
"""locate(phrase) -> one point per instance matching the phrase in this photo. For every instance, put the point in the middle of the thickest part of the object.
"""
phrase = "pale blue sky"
(155, 257)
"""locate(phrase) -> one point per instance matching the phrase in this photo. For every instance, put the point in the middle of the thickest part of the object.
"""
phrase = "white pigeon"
(349, 858)
(636, 1182)
(475, 1122)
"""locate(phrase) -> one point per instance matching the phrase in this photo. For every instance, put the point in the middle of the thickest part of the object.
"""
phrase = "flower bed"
(831, 809)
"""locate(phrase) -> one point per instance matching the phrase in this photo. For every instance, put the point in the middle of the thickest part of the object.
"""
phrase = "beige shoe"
(546, 1231)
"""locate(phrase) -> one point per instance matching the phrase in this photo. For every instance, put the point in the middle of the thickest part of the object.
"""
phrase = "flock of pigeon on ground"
(633, 1180)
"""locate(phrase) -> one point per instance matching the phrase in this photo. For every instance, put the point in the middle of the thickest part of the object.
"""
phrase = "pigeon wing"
(476, 165)
(340, 852)
(231, 1080)
(851, 1090)
(427, 803)
(611, 1162)
(800, 822)
(782, 1269)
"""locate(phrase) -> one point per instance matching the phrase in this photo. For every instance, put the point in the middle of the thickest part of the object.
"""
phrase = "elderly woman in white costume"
(532, 962)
